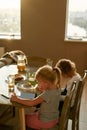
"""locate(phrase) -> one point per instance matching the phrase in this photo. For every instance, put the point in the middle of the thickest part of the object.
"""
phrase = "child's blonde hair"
(48, 73)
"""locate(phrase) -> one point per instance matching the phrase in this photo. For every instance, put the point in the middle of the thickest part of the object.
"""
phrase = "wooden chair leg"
(77, 121)
(13, 111)
(75, 124)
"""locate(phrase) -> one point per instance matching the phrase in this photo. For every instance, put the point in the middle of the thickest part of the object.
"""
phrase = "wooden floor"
(83, 111)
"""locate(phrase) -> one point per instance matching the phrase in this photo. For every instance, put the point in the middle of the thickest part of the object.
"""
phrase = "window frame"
(72, 39)
(11, 35)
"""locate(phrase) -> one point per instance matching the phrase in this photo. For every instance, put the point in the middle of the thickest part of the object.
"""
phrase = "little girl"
(48, 79)
(69, 74)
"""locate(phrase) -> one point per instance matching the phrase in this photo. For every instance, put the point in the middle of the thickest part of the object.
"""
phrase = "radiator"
(2, 51)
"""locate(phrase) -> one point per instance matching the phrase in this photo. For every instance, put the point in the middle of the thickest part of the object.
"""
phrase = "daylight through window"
(76, 20)
(10, 19)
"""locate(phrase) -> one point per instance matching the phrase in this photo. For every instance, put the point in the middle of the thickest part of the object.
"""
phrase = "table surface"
(4, 72)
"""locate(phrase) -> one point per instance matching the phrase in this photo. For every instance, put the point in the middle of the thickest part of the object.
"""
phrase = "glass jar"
(11, 83)
(21, 63)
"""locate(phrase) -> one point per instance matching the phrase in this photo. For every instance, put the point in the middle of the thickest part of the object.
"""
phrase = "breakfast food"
(18, 77)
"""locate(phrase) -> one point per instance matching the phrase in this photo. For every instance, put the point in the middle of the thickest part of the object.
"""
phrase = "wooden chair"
(75, 110)
(63, 122)
(36, 61)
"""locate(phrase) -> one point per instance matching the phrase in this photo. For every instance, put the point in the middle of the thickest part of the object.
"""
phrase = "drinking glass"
(21, 64)
(11, 83)
(49, 62)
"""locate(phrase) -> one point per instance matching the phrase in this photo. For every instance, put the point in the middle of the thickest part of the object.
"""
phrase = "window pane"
(10, 19)
(76, 19)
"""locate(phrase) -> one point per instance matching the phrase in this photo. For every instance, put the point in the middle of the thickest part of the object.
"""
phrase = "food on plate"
(18, 77)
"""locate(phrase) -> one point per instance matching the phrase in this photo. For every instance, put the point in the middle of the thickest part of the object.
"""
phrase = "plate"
(23, 85)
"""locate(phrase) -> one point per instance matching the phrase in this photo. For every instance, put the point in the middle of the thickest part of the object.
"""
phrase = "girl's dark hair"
(66, 66)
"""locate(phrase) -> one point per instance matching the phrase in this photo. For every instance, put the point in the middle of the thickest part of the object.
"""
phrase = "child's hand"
(13, 98)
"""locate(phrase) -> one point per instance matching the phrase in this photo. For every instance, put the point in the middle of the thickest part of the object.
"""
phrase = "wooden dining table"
(4, 72)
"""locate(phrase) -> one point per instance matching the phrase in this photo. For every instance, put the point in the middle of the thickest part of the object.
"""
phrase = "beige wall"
(43, 27)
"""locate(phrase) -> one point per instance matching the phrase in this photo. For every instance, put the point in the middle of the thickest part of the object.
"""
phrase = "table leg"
(22, 118)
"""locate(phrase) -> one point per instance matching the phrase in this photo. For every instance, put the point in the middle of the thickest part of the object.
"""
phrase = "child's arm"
(26, 102)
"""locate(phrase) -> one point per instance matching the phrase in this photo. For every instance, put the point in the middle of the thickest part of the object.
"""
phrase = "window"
(10, 19)
(76, 20)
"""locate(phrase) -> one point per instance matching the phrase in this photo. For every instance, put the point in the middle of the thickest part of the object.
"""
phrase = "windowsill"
(10, 37)
(76, 39)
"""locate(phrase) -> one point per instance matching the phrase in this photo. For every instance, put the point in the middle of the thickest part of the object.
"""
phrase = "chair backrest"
(85, 75)
(66, 108)
(36, 61)
(12, 57)
(76, 108)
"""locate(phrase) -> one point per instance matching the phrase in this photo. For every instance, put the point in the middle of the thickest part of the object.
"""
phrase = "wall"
(43, 27)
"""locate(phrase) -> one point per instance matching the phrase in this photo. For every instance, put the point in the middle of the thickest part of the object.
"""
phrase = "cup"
(49, 62)
(21, 63)
(11, 83)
